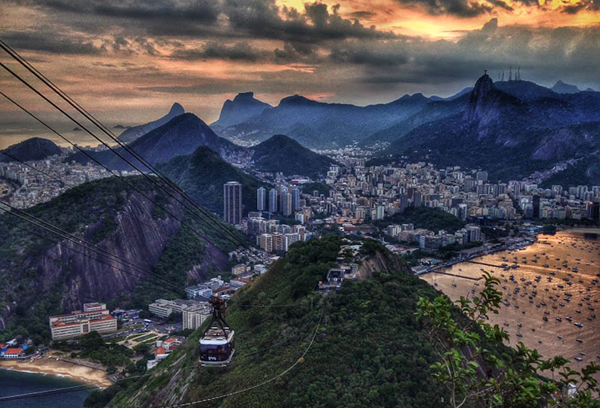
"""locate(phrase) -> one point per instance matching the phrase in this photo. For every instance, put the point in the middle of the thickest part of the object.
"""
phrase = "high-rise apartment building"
(232, 203)
(295, 199)
(261, 199)
(273, 198)
(286, 204)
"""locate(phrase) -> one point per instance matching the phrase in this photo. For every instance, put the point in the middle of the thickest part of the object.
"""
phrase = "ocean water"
(16, 383)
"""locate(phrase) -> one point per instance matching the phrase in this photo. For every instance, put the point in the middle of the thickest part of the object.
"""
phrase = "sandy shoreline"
(60, 368)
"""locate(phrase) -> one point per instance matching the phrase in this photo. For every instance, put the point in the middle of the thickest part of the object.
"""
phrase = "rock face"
(50, 274)
(485, 102)
(380, 262)
(243, 107)
(133, 133)
(138, 238)
(29, 150)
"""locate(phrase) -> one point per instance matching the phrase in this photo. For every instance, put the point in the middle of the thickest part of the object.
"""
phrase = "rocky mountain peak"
(244, 96)
(481, 99)
(243, 107)
(176, 110)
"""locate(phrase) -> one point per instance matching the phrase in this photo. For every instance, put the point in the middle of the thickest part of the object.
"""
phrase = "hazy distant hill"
(203, 174)
(561, 87)
(180, 136)
(243, 107)
(285, 155)
(29, 150)
(324, 125)
(133, 133)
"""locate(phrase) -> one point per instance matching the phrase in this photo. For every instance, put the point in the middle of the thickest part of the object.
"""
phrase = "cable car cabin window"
(209, 352)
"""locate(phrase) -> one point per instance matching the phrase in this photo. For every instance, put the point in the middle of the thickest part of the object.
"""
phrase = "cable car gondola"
(217, 341)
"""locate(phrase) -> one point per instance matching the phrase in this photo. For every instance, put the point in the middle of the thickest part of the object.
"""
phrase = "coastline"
(59, 368)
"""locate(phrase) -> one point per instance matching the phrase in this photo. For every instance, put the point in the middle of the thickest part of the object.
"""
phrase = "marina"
(551, 291)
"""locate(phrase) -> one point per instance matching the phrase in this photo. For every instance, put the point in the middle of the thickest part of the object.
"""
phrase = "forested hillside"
(368, 349)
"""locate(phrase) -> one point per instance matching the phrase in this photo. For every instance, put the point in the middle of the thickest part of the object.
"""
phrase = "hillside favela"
(300, 204)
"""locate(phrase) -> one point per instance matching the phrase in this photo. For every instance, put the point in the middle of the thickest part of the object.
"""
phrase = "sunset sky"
(127, 61)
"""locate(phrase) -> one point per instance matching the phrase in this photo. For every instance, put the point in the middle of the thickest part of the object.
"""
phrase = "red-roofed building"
(161, 353)
(14, 353)
(171, 344)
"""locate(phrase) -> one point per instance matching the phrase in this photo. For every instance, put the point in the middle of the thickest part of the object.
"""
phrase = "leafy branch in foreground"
(479, 370)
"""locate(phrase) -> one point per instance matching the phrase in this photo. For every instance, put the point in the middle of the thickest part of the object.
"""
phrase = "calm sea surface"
(14, 383)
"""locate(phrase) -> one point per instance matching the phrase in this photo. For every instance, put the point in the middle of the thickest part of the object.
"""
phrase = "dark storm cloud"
(458, 8)
(472, 8)
(316, 23)
(388, 54)
(339, 49)
(224, 18)
(297, 52)
(241, 51)
(362, 14)
(56, 43)
(159, 11)
(542, 53)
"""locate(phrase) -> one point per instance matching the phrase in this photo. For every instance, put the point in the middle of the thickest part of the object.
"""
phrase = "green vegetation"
(432, 219)
(368, 350)
(586, 171)
(282, 154)
(495, 233)
(93, 347)
(477, 370)
(322, 188)
(202, 176)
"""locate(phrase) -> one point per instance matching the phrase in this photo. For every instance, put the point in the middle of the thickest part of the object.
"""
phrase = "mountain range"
(323, 125)
(182, 135)
(509, 128)
(30, 150)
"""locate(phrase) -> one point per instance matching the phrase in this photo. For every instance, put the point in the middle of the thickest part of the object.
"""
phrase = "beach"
(550, 289)
(51, 366)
